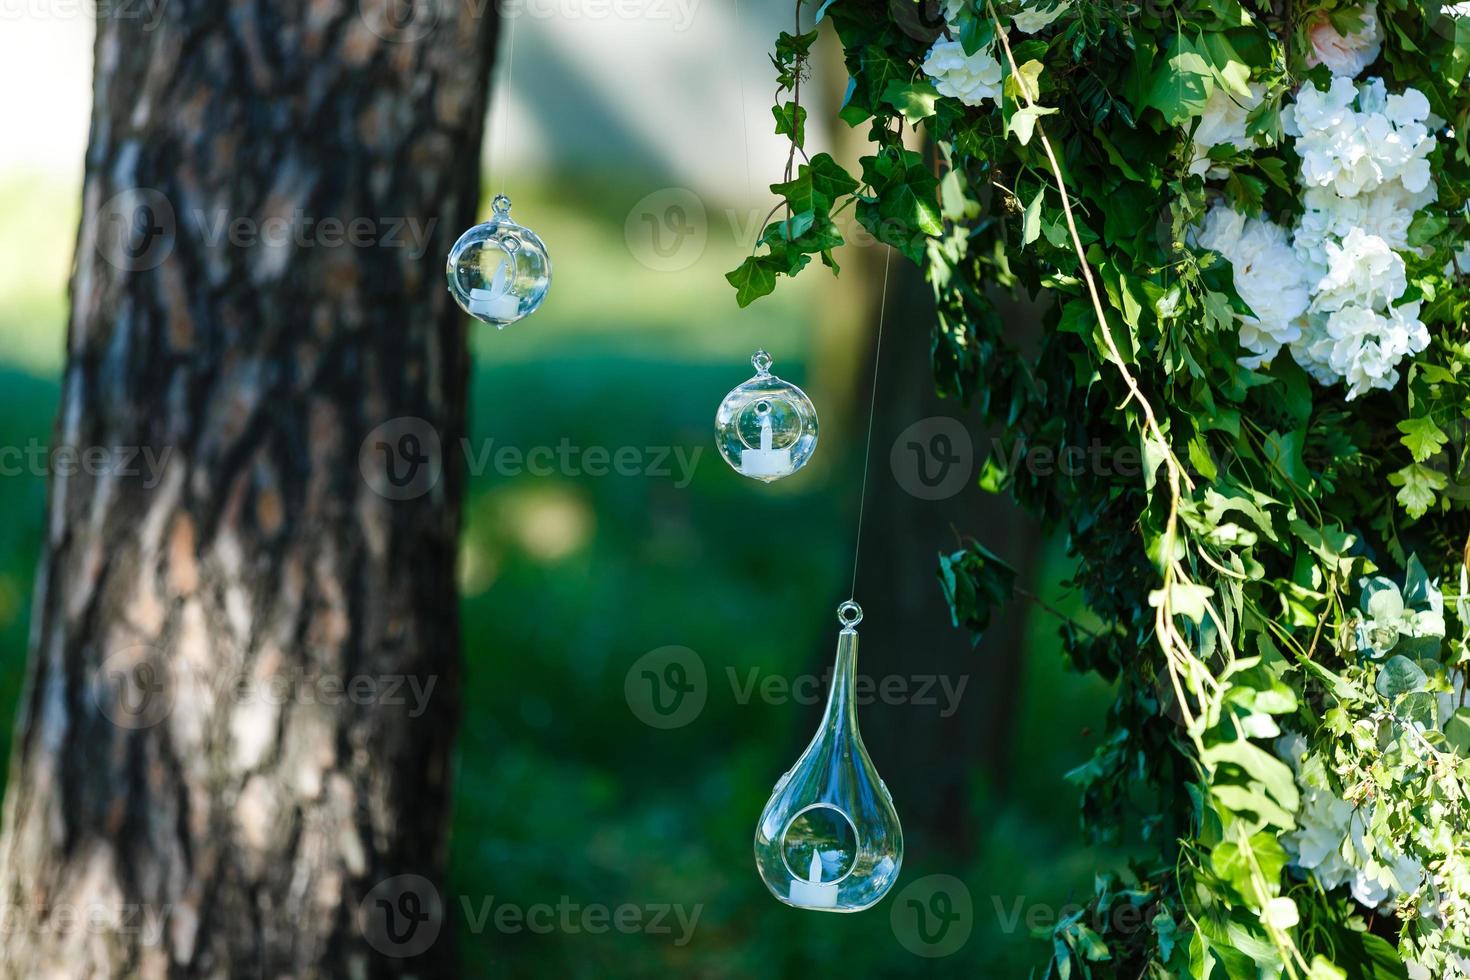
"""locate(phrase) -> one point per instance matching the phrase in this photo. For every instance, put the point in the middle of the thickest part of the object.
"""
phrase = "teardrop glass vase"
(829, 838)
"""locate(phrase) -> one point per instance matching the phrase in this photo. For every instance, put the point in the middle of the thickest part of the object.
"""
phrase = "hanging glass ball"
(766, 428)
(499, 271)
(829, 837)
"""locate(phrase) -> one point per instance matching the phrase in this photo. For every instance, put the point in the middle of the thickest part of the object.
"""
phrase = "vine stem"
(1163, 620)
(1172, 644)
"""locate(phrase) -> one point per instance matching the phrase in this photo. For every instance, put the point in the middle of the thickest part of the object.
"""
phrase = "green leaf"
(753, 279)
(1263, 767)
(829, 178)
(1457, 731)
(1400, 675)
(1230, 69)
(1422, 437)
(791, 121)
(1023, 122)
(1181, 86)
(1417, 484)
(903, 208)
(975, 583)
(914, 100)
(1031, 221)
(977, 33)
(1185, 598)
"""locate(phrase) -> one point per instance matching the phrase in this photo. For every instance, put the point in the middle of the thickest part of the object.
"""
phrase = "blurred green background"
(564, 796)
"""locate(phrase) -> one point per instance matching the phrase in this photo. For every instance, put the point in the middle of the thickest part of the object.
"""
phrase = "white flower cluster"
(970, 78)
(1330, 289)
(1329, 828)
(1268, 276)
(1364, 173)
(1355, 138)
(974, 78)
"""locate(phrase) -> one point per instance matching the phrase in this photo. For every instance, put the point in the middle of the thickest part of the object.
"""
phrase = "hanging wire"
(497, 152)
(740, 82)
(872, 414)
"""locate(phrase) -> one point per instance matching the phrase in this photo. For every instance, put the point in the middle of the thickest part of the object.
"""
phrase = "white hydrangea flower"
(1324, 822)
(1361, 271)
(1222, 123)
(970, 78)
(1329, 828)
(1361, 346)
(1355, 138)
(1344, 56)
(1385, 212)
(1365, 174)
(1268, 276)
(1030, 19)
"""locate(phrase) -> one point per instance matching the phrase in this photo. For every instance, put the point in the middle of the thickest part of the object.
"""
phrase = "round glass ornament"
(829, 838)
(766, 428)
(499, 271)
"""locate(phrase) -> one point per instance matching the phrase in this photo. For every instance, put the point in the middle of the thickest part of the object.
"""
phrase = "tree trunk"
(238, 729)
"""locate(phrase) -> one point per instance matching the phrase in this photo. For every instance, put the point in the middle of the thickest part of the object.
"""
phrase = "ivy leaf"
(1422, 437)
(756, 277)
(977, 33)
(903, 209)
(1023, 122)
(1185, 599)
(791, 121)
(829, 178)
(1181, 86)
(1031, 222)
(954, 199)
(914, 100)
(975, 582)
(1230, 69)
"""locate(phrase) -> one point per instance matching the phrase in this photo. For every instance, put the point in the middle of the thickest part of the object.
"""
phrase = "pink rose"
(1345, 56)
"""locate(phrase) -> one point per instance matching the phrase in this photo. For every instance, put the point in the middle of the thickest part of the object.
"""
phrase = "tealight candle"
(813, 894)
(765, 461)
(495, 306)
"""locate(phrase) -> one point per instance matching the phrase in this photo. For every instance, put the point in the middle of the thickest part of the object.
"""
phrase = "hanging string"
(857, 546)
(740, 81)
(497, 152)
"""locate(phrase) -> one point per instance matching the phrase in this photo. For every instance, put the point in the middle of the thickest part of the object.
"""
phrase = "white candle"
(813, 894)
(484, 302)
(765, 461)
(497, 302)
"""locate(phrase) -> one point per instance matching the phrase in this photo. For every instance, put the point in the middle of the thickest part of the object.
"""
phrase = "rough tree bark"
(213, 769)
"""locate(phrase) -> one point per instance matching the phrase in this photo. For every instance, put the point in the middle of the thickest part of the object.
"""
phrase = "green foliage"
(1238, 528)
